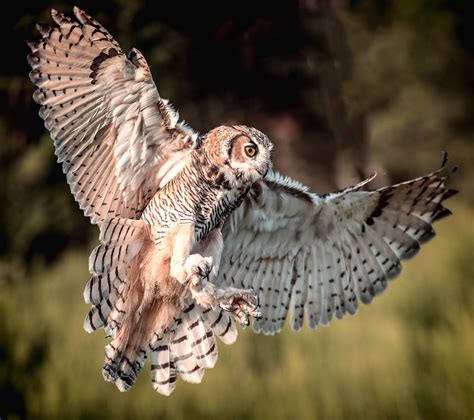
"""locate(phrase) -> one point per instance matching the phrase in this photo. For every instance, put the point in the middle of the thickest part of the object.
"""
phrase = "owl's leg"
(202, 290)
(205, 262)
(196, 268)
(180, 242)
(241, 302)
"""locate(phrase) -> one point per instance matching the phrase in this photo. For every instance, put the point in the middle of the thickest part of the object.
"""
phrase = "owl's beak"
(263, 172)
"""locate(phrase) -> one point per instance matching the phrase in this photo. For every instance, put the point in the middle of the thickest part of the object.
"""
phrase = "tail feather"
(187, 365)
(112, 267)
(163, 370)
(190, 347)
(114, 290)
(126, 354)
(122, 368)
(181, 342)
(199, 335)
(222, 324)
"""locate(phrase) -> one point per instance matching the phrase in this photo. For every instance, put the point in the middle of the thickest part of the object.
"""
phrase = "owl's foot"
(198, 269)
(241, 302)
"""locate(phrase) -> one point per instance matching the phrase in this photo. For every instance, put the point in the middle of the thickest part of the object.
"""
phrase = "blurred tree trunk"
(319, 143)
(281, 70)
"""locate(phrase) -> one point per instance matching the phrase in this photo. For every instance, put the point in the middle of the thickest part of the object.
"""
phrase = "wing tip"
(31, 45)
(82, 16)
(444, 163)
(444, 159)
(411, 251)
(77, 11)
(441, 214)
(55, 14)
(449, 193)
(87, 325)
(43, 29)
(59, 17)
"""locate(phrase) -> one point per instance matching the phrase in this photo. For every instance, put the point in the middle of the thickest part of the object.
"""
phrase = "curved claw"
(242, 303)
(198, 267)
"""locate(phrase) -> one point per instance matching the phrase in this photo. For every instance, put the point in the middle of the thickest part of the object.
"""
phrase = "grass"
(407, 355)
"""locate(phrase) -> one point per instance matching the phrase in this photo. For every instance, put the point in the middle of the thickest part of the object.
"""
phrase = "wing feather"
(117, 139)
(316, 256)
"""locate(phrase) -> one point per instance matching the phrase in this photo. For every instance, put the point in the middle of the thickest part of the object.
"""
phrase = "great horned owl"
(198, 231)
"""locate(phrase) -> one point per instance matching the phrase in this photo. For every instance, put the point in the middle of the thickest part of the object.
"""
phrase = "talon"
(257, 313)
(204, 267)
(228, 306)
(245, 322)
(198, 267)
(242, 303)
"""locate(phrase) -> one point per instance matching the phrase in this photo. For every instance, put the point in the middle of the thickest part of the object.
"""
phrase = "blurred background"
(342, 88)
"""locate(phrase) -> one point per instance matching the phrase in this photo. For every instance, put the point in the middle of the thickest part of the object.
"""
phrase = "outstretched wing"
(321, 254)
(117, 139)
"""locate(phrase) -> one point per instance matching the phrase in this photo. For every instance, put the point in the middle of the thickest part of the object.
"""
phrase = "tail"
(189, 347)
(181, 341)
(118, 293)
(113, 265)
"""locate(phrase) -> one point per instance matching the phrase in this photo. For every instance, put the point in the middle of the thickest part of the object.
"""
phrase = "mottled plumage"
(198, 231)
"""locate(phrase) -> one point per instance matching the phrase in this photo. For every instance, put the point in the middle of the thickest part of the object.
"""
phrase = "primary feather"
(324, 253)
(115, 136)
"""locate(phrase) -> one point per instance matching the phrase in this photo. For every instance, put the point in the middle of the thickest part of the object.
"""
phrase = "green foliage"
(410, 79)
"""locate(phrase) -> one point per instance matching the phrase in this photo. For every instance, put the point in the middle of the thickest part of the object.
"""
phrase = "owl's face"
(242, 153)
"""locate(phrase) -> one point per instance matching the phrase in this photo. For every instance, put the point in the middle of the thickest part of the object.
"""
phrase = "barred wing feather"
(318, 256)
(117, 139)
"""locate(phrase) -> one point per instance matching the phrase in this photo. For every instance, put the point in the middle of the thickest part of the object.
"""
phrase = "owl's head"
(240, 154)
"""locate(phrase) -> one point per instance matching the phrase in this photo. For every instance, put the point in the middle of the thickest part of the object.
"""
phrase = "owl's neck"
(214, 195)
(217, 183)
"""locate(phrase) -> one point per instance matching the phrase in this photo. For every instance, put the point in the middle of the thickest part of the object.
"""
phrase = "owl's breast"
(190, 198)
(214, 209)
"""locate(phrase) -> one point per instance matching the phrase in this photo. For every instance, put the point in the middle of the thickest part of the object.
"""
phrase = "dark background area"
(342, 88)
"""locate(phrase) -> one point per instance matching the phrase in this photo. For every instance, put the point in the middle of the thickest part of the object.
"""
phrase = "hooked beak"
(263, 172)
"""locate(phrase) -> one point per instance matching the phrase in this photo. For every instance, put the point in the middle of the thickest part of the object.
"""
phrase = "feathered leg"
(194, 270)
(242, 303)
(132, 295)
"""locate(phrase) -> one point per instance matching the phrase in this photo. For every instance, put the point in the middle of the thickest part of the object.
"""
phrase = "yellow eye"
(250, 150)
